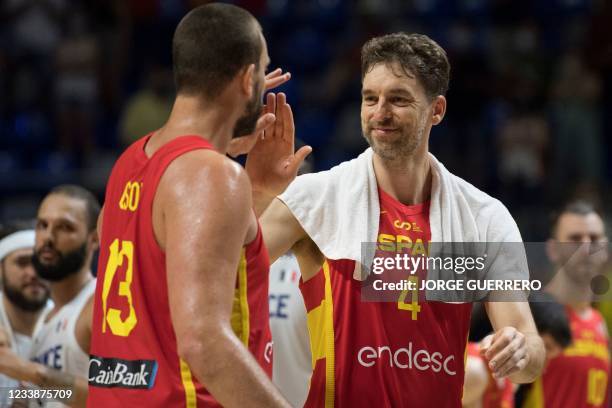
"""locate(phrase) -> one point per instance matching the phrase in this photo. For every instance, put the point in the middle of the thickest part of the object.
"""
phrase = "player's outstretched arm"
(205, 200)
(515, 350)
(281, 231)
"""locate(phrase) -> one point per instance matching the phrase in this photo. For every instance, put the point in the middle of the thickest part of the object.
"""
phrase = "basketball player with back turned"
(171, 314)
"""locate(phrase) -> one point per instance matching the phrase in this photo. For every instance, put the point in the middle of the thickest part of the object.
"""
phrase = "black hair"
(91, 202)
(211, 44)
(550, 318)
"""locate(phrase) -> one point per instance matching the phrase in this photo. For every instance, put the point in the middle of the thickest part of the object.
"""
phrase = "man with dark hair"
(66, 239)
(552, 323)
(399, 353)
(23, 299)
(92, 206)
(183, 271)
(578, 248)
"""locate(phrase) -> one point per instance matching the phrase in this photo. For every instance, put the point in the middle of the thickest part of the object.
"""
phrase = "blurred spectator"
(529, 115)
(148, 109)
(575, 108)
(76, 85)
(35, 25)
(523, 140)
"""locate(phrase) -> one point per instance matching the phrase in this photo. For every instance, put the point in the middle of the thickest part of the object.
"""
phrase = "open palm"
(272, 163)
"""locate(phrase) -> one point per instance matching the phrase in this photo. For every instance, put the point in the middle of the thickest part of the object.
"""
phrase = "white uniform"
(292, 365)
(55, 343)
(20, 344)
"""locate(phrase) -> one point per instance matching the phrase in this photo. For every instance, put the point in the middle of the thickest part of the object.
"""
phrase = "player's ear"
(247, 80)
(438, 109)
(94, 238)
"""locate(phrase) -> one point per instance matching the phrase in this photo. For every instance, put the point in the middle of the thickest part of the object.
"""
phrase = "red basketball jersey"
(404, 353)
(499, 392)
(577, 378)
(134, 359)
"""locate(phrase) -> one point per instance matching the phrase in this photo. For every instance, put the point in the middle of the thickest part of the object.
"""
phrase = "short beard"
(16, 297)
(400, 149)
(68, 264)
(245, 125)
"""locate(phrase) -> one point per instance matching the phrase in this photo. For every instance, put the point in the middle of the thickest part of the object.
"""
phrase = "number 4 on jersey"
(413, 306)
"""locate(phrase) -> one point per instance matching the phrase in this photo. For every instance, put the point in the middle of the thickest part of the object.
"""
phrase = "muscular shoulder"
(205, 172)
(205, 165)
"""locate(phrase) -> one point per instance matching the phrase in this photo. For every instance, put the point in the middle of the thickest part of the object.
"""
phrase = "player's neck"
(62, 292)
(408, 181)
(569, 292)
(21, 321)
(190, 116)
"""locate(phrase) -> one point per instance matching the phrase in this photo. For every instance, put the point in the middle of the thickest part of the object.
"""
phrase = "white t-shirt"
(54, 341)
(292, 366)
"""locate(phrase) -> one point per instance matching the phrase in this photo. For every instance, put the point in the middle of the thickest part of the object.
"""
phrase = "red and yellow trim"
(240, 309)
(187, 380)
(321, 328)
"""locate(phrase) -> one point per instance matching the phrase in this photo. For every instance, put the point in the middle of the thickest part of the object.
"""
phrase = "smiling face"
(396, 115)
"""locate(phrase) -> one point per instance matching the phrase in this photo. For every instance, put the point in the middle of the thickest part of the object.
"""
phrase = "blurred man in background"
(66, 239)
(579, 376)
(23, 299)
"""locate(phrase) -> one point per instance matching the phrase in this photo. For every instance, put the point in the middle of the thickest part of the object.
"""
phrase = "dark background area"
(529, 106)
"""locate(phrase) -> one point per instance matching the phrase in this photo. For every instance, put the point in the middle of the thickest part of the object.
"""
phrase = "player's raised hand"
(505, 351)
(243, 144)
(272, 163)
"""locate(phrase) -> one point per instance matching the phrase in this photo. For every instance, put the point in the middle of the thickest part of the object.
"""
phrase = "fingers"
(298, 159)
(517, 362)
(485, 344)
(244, 144)
(288, 126)
(264, 122)
(499, 342)
(281, 104)
(270, 108)
(507, 353)
(276, 78)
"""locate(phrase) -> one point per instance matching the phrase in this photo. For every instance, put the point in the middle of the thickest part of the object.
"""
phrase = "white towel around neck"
(339, 209)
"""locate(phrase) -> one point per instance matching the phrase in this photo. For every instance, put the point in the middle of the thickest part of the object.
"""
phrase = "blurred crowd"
(529, 106)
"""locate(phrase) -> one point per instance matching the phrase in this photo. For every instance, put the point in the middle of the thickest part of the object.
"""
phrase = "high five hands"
(243, 144)
(272, 162)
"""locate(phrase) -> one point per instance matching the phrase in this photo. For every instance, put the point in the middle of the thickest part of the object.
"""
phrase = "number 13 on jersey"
(118, 257)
